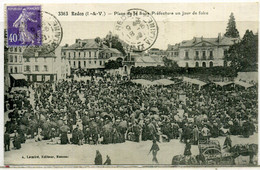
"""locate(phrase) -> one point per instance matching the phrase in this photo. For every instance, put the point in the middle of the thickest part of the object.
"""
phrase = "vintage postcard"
(134, 84)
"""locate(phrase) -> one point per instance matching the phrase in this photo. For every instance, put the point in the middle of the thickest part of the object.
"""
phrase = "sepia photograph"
(134, 84)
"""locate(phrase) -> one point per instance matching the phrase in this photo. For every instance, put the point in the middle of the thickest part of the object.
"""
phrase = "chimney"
(219, 37)
(77, 40)
(194, 39)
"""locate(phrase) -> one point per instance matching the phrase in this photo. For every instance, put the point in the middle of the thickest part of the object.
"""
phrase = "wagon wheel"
(212, 152)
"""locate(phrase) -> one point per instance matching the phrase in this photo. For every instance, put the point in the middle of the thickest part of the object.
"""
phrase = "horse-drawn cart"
(210, 151)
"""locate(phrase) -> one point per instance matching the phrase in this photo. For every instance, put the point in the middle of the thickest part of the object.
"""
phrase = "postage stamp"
(51, 34)
(138, 29)
(24, 25)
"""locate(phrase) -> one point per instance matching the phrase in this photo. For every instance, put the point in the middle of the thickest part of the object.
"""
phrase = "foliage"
(169, 63)
(115, 42)
(244, 55)
(231, 30)
(111, 64)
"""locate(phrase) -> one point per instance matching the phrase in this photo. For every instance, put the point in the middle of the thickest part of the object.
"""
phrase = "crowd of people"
(111, 110)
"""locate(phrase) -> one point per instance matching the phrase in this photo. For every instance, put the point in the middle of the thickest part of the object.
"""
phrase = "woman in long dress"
(24, 35)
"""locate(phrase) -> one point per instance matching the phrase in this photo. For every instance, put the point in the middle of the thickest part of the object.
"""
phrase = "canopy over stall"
(143, 82)
(243, 84)
(194, 81)
(18, 80)
(164, 82)
(222, 84)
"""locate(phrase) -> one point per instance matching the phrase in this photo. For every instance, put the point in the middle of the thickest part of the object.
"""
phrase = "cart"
(210, 151)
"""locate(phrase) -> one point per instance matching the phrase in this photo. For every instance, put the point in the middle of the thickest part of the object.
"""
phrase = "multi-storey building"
(15, 60)
(40, 67)
(87, 54)
(201, 52)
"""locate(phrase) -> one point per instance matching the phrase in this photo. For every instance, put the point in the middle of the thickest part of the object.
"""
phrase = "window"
(74, 63)
(211, 53)
(74, 54)
(69, 54)
(69, 62)
(89, 62)
(15, 58)
(197, 64)
(45, 68)
(64, 53)
(15, 49)
(85, 63)
(95, 62)
(15, 70)
(79, 54)
(211, 64)
(90, 54)
(186, 53)
(225, 52)
(11, 58)
(11, 49)
(204, 64)
(26, 68)
(95, 54)
(100, 62)
(187, 64)
(20, 49)
(11, 69)
(176, 54)
(204, 53)
(84, 54)
(27, 59)
(36, 68)
(197, 53)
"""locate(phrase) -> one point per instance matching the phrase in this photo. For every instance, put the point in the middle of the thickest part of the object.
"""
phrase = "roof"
(145, 59)
(19, 76)
(83, 44)
(143, 82)
(241, 83)
(111, 50)
(201, 41)
(39, 52)
(194, 81)
(164, 82)
(212, 41)
(223, 83)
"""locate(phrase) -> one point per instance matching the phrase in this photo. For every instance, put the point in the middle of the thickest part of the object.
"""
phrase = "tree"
(244, 55)
(169, 63)
(111, 64)
(114, 42)
(231, 30)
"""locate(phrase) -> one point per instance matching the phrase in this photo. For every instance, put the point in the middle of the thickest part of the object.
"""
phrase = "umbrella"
(156, 117)
(155, 109)
(64, 128)
(108, 127)
(59, 123)
(123, 124)
(103, 114)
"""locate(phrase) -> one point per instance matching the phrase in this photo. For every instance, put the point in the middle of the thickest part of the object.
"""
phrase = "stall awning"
(194, 81)
(223, 83)
(164, 82)
(19, 76)
(245, 85)
(143, 82)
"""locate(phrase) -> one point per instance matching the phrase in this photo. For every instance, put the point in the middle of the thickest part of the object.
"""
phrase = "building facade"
(201, 52)
(87, 54)
(15, 60)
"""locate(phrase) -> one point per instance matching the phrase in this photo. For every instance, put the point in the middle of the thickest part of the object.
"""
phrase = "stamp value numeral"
(13, 37)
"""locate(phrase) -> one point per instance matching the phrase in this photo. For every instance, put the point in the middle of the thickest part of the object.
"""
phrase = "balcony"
(196, 58)
(186, 58)
(211, 58)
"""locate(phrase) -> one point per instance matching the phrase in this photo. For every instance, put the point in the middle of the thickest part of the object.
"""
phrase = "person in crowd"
(98, 158)
(108, 161)
(187, 150)
(7, 141)
(154, 149)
